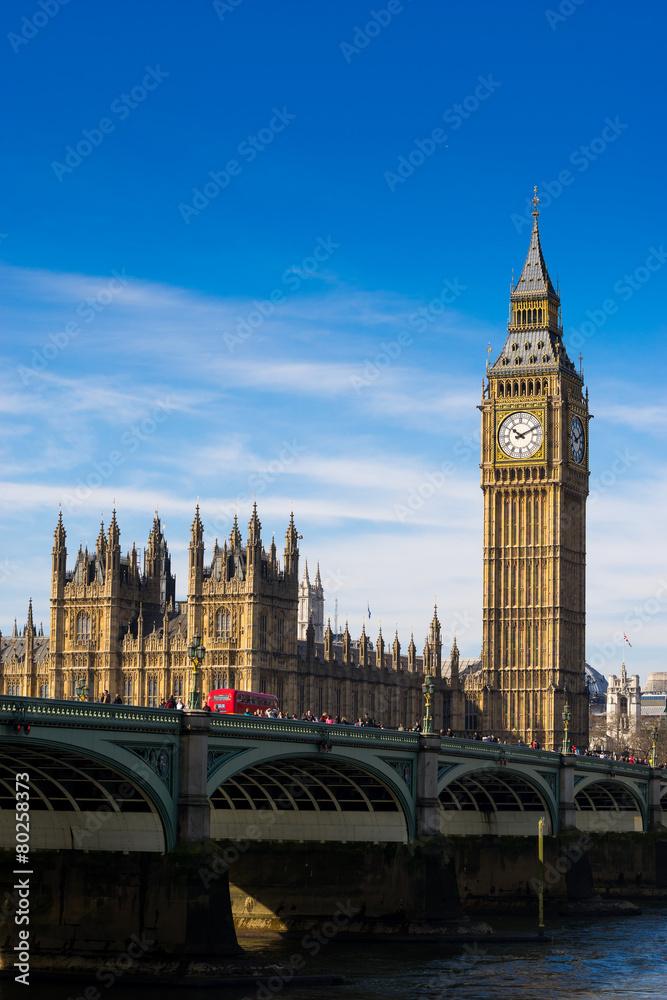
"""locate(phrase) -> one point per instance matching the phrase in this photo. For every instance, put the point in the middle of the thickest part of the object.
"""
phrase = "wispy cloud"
(364, 460)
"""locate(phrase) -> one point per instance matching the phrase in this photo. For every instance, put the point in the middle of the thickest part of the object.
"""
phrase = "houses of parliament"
(117, 626)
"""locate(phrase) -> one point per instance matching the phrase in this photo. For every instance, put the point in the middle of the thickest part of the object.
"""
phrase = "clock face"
(577, 439)
(520, 435)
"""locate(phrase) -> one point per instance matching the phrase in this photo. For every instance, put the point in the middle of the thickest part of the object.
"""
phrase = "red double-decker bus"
(233, 702)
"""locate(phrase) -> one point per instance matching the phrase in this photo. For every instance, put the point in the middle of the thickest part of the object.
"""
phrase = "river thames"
(586, 960)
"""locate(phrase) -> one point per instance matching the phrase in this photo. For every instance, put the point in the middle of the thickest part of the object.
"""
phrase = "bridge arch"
(302, 795)
(84, 797)
(495, 798)
(606, 804)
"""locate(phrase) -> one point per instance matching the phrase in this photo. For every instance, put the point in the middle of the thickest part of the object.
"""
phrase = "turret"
(59, 559)
(412, 654)
(29, 661)
(112, 562)
(196, 553)
(328, 644)
(379, 651)
(101, 553)
(291, 564)
(347, 646)
(433, 666)
(363, 647)
(152, 553)
(235, 540)
(254, 549)
(454, 664)
(396, 653)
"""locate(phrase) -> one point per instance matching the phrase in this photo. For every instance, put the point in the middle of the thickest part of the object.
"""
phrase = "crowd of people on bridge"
(366, 721)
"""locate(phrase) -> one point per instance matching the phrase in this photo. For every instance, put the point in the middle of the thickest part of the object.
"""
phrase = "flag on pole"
(627, 640)
(369, 610)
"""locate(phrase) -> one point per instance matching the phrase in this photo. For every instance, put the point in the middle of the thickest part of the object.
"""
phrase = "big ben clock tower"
(535, 483)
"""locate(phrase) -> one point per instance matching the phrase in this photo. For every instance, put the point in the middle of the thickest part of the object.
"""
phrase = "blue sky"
(220, 223)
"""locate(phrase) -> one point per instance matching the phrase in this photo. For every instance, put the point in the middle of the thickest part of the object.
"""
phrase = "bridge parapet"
(240, 725)
(83, 714)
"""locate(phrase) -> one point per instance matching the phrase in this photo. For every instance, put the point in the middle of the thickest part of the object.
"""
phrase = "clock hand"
(519, 435)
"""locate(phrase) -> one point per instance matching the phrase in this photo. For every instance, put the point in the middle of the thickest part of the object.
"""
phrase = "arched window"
(623, 705)
(151, 684)
(82, 627)
(539, 316)
(501, 389)
(223, 624)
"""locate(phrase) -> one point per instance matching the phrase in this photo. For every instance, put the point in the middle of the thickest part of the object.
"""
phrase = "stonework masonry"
(116, 628)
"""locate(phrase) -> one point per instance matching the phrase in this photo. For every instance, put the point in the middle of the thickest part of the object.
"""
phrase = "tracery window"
(83, 627)
(223, 624)
(152, 692)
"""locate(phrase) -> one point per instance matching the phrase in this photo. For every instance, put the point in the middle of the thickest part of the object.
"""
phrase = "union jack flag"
(627, 640)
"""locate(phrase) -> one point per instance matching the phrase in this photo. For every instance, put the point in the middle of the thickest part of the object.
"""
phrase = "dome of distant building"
(597, 687)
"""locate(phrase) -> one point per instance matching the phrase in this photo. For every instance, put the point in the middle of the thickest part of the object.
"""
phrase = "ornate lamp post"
(81, 689)
(567, 719)
(428, 689)
(196, 652)
(653, 759)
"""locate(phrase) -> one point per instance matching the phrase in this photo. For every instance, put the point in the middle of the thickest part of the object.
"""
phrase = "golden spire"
(536, 201)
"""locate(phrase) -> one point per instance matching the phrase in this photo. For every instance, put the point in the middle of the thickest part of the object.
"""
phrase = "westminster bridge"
(301, 814)
(117, 778)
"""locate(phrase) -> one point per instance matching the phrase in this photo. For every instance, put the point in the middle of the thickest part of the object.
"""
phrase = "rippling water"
(587, 960)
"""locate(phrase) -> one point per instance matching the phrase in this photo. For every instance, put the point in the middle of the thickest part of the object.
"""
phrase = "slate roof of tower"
(533, 350)
(534, 277)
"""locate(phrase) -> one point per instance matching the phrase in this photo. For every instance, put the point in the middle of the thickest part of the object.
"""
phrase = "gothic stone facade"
(114, 627)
